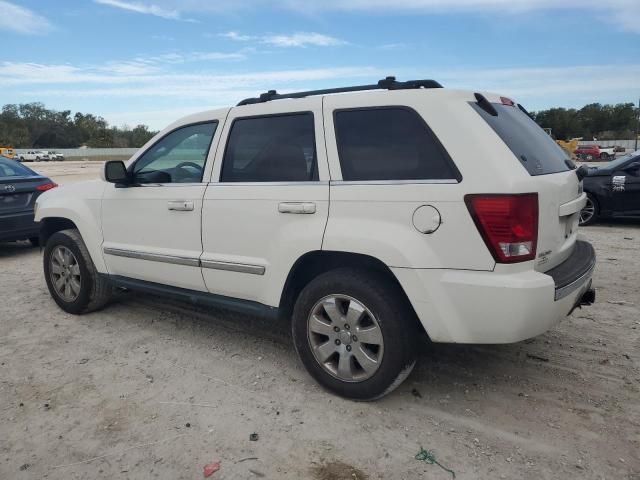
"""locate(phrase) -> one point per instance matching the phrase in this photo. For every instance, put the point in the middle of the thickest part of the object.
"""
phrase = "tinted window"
(536, 150)
(279, 148)
(389, 144)
(11, 168)
(179, 157)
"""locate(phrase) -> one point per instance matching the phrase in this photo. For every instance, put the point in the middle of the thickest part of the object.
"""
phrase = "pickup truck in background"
(34, 156)
(594, 152)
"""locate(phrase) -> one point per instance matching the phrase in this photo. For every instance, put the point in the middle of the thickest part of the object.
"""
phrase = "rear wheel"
(72, 279)
(355, 333)
(588, 157)
(589, 213)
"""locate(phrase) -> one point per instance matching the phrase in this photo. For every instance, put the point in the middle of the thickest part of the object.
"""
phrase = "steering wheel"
(181, 172)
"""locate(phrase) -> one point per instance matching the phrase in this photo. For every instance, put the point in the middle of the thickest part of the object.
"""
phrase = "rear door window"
(536, 151)
(272, 148)
(389, 143)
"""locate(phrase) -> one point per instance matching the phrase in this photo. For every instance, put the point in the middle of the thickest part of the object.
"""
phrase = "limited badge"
(618, 183)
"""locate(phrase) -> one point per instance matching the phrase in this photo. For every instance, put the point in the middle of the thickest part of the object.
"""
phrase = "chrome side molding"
(233, 267)
(188, 261)
(153, 257)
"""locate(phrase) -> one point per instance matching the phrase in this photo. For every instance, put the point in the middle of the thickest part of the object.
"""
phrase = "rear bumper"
(461, 306)
(18, 226)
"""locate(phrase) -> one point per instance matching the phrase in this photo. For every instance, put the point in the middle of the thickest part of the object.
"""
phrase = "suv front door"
(268, 201)
(152, 229)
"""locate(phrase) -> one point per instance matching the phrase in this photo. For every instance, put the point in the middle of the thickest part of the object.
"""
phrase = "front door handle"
(297, 207)
(180, 205)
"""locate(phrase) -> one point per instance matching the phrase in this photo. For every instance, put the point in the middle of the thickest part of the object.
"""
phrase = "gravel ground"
(153, 388)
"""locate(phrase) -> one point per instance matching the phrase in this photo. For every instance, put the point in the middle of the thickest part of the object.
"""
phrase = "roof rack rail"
(389, 83)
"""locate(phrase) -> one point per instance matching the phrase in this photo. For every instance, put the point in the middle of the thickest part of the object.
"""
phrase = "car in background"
(594, 152)
(19, 188)
(613, 190)
(54, 155)
(34, 156)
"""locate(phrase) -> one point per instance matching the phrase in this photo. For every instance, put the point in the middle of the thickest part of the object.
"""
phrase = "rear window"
(11, 168)
(536, 150)
(389, 143)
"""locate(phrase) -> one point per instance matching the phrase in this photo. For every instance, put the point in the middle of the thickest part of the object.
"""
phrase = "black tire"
(394, 315)
(35, 241)
(604, 156)
(21, 159)
(588, 157)
(95, 290)
(584, 221)
(37, 159)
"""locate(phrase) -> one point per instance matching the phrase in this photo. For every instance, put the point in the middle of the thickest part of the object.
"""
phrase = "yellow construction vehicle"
(8, 152)
(568, 146)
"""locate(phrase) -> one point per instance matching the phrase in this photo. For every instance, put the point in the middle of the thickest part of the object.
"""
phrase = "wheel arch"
(51, 225)
(89, 231)
(313, 263)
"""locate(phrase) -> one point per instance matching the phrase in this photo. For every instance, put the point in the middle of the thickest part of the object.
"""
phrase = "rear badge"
(543, 257)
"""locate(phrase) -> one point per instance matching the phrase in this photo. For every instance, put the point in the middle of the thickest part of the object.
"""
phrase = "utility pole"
(637, 126)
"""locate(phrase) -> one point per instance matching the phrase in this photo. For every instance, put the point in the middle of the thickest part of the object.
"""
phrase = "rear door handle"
(297, 207)
(180, 205)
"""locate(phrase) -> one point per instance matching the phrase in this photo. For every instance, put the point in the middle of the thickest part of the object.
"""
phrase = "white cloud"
(238, 37)
(147, 9)
(22, 20)
(298, 39)
(302, 39)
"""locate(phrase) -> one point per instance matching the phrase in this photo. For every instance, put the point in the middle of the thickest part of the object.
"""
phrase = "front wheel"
(604, 156)
(72, 278)
(589, 213)
(355, 333)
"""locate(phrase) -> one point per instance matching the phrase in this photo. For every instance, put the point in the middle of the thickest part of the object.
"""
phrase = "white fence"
(78, 153)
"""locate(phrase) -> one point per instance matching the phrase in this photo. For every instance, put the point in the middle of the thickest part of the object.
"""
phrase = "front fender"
(81, 204)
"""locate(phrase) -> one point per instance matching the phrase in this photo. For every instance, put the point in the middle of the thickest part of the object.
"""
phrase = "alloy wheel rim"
(345, 338)
(65, 273)
(587, 212)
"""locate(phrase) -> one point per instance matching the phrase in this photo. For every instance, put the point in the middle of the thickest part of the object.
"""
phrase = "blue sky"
(152, 61)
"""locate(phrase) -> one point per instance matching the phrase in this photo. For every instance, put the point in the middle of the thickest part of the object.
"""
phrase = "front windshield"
(612, 165)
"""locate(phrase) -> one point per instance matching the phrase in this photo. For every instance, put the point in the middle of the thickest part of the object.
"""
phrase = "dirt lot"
(150, 388)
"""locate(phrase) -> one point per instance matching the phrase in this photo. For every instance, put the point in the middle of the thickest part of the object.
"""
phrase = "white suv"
(366, 218)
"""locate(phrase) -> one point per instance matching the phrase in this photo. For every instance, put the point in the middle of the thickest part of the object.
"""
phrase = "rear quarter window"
(536, 151)
(389, 143)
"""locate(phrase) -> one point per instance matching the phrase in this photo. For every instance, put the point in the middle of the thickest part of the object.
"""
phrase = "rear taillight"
(46, 186)
(508, 224)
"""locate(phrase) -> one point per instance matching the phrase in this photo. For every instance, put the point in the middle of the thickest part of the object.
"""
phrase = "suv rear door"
(268, 200)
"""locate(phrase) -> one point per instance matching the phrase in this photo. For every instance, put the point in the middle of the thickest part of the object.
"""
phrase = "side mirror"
(115, 171)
